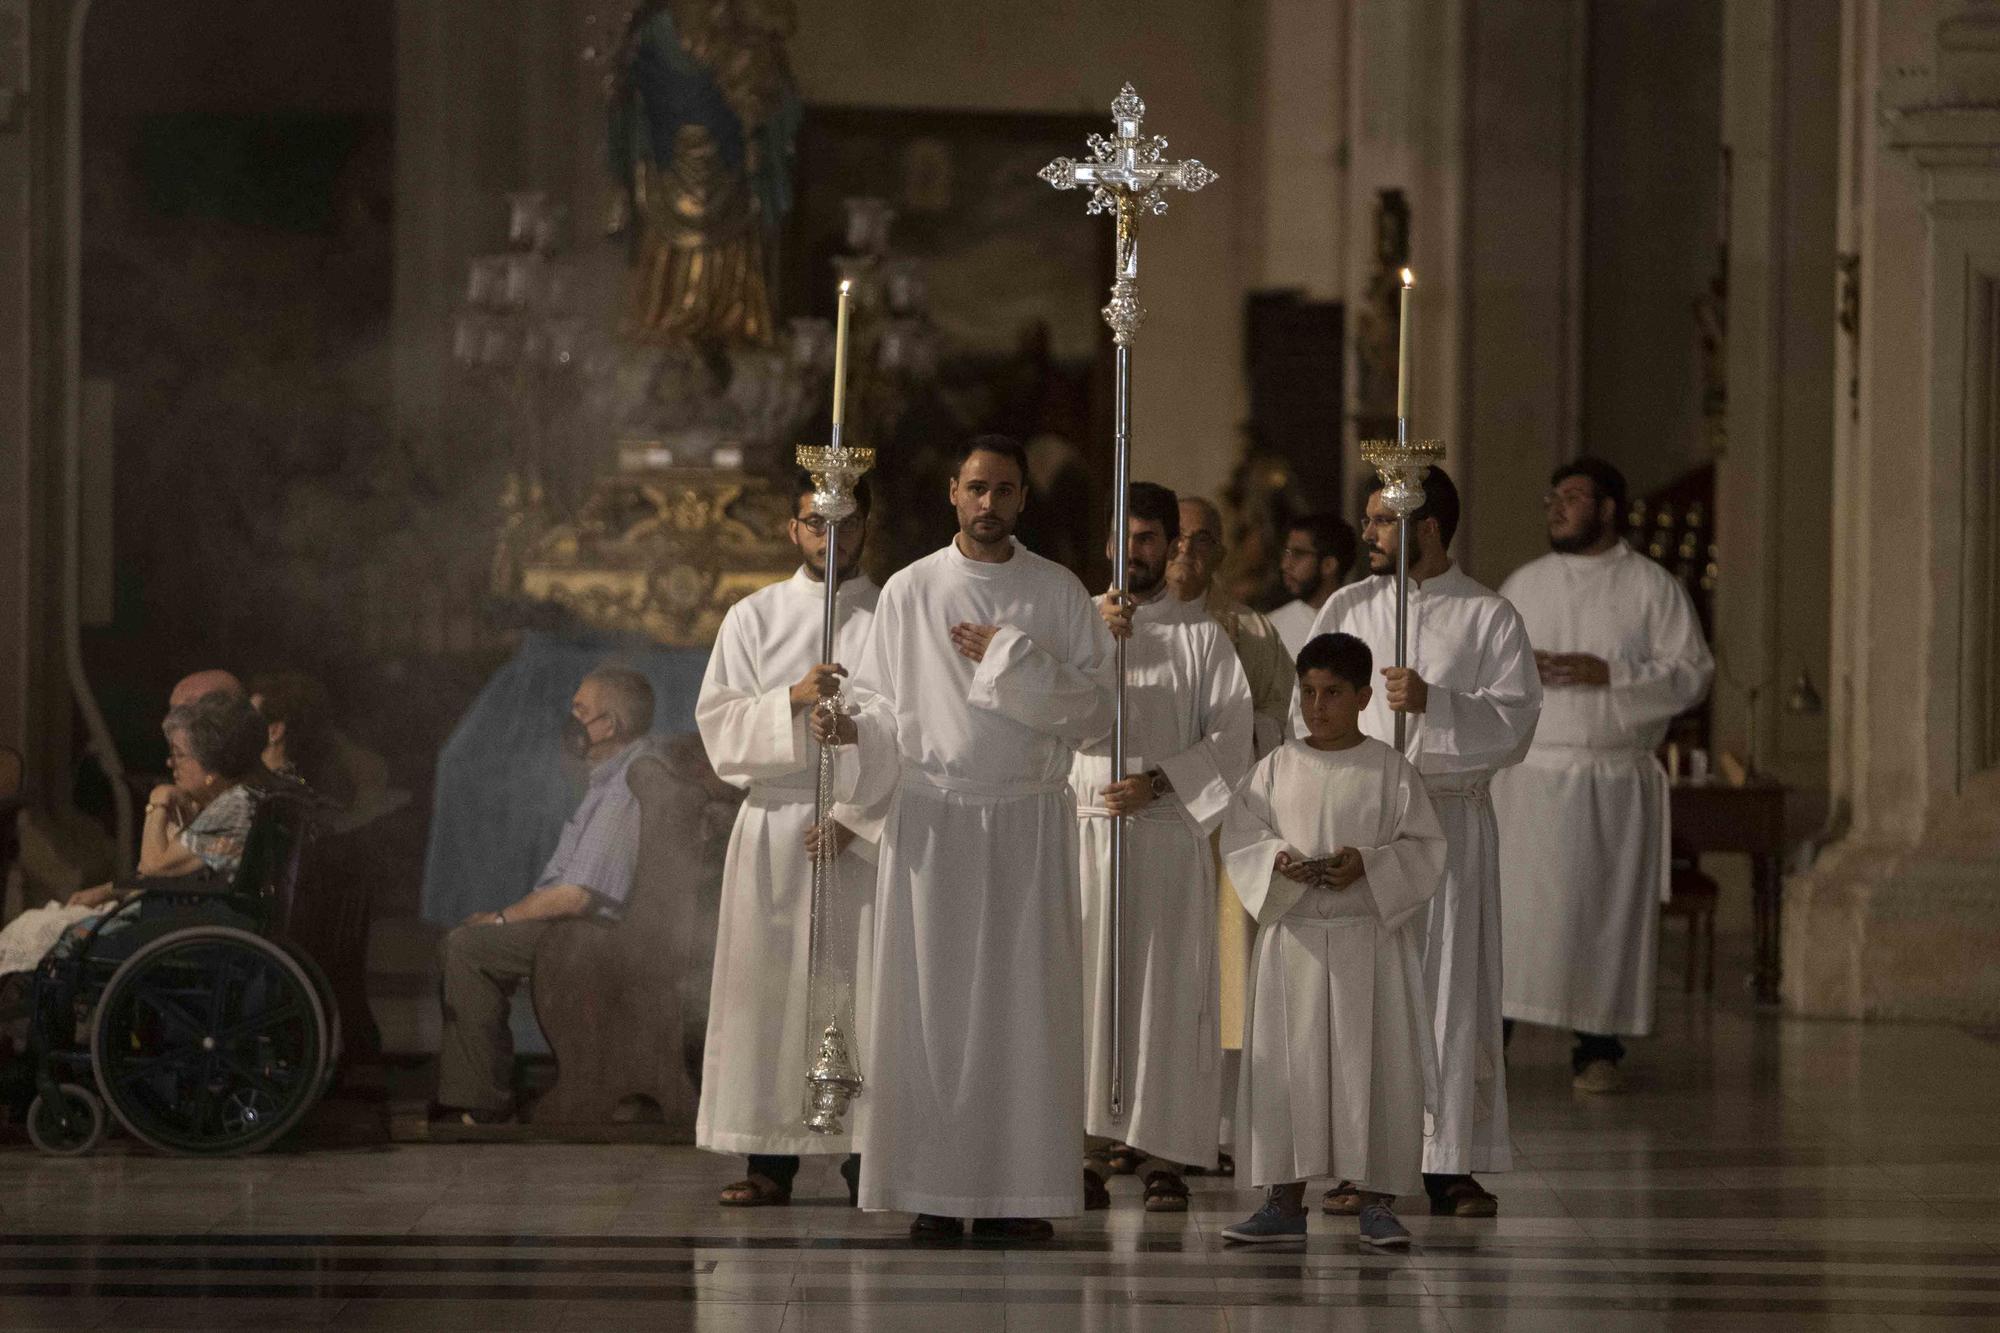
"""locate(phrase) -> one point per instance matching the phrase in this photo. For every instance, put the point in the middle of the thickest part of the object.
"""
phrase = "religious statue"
(704, 115)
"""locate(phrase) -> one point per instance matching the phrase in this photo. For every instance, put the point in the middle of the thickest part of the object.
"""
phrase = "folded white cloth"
(26, 939)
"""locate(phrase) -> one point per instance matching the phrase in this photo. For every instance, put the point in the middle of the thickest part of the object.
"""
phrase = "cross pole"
(1127, 175)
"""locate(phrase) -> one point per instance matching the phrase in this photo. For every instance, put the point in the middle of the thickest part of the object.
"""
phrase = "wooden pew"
(624, 1004)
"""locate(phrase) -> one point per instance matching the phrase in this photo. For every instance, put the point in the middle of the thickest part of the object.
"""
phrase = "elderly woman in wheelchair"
(196, 824)
(200, 1031)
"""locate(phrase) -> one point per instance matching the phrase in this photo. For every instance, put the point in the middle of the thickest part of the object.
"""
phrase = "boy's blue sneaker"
(1379, 1227)
(1267, 1225)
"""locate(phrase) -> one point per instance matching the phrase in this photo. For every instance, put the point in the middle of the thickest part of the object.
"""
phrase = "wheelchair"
(184, 1014)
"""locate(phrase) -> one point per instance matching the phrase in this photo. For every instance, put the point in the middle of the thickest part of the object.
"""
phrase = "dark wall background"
(236, 298)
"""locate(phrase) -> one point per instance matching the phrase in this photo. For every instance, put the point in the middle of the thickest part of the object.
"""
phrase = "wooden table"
(1715, 817)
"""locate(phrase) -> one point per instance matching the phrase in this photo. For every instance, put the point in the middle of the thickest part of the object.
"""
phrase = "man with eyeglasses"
(590, 874)
(763, 682)
(1583, 821)
(1318, 552)
(1469, 699)
(1191, 575)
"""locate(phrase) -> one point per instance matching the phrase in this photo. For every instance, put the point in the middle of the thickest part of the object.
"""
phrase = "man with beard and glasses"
(1319, 551)
(987, 667)
(1583, 821)
(1470, 697)
(490, 953)
(764, 679)
(1187, 743)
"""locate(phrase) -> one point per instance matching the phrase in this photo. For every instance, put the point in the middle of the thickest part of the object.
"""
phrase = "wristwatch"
(1161, 785)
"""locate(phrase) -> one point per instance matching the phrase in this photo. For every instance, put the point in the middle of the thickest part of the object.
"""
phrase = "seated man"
(491, 953)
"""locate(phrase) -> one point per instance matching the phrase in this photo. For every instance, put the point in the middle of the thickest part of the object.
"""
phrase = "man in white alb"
(1187, 743)
(1471, 696)
(1319, 549)
(987, 667)
(1583, 820)
(763, 680)
(1193, 576)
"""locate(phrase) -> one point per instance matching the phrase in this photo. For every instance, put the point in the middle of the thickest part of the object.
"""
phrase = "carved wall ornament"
(662, 554)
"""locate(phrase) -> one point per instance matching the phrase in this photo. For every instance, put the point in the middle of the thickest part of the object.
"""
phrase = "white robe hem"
(973, 1206)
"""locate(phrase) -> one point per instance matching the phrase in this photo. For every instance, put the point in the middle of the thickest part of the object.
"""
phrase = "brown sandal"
(754, 1191)
(1125, 1160)
(1165, 1193)
(1461, 1196)
(1343, 1200)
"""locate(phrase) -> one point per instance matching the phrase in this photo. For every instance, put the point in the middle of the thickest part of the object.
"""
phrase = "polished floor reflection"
(1762, 1173)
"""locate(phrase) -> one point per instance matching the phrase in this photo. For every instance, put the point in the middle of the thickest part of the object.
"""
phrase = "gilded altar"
(662, 553)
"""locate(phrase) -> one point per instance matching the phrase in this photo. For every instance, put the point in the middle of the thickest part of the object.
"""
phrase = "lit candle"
(840, 358)
(1403, 346)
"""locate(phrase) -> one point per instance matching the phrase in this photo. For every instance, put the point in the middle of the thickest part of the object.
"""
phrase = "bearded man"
(987, 668)
(1583, 820)
(1319, 551)
(763, 680)
(1187, 744)
(1469, 698)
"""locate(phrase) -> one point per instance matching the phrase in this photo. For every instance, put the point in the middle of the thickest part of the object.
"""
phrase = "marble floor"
(1762, 1173)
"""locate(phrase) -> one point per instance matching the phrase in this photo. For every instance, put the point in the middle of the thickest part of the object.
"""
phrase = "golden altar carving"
(662, 553)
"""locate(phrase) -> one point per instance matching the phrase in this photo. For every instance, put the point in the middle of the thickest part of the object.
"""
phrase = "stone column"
(1476, 111)
(1301, 94)
(1901, 917)
(1773, 489)
(34, 715)
(1522, 332)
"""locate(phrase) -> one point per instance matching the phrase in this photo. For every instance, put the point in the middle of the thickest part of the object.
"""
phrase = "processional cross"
(1127, 175)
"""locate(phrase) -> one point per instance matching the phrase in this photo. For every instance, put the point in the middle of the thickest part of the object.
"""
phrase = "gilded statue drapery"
(703, 120)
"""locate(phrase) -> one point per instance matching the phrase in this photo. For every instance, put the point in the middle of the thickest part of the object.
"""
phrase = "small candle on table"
(1403, 346)
(840, 355)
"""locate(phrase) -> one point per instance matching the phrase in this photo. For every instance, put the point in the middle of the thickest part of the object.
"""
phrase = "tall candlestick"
(840, 358)
(1403, 346)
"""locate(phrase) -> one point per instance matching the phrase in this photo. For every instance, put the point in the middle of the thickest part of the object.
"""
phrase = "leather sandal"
(1095, 1194)
(1462, 1196)
(1125, 1160)
(754, 1191)
(1343, 1200)
(1165, 1193)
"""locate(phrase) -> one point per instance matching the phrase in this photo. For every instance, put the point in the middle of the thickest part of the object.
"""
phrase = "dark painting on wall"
(1010, 276)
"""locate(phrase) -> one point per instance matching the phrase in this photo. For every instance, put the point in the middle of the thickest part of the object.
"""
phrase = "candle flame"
(1409, 278)
(847, 284)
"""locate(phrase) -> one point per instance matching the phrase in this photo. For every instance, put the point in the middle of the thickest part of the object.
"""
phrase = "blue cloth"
(503, 789)
(599, 846)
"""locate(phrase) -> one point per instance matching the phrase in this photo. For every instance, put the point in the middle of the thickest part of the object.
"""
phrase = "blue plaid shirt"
(599, 848)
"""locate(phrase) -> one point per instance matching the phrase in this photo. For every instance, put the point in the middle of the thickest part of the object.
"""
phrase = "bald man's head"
(1198, 554)
(1199, 512)
(202, 684)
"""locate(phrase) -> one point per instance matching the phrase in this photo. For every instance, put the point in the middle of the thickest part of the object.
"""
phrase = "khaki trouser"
(482, 965)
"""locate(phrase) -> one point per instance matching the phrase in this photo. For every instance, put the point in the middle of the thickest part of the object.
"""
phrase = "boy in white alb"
(1333, 846)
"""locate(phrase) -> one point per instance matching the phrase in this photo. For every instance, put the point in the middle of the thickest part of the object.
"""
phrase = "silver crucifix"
(1126, 176)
